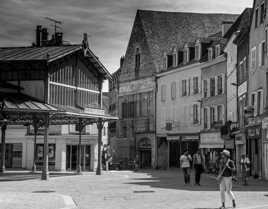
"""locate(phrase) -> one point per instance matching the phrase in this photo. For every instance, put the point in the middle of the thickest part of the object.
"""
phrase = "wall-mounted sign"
(242, 89)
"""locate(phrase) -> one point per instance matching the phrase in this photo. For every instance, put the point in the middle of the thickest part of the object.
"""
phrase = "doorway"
(174, 154)
(145, 158)
(72, 157)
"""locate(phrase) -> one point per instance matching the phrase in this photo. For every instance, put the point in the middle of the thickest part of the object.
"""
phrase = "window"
(252, 100)
(137, 62)
(212, 116)
(205, 118)
(212, 87)
(184, 87)
(189, 86)
(195, 114)
(256, 17)
(219, 85)
(219, 114)
(169, 61)
(259, 102)
(253, 58)
(173, 90)
(197, 51)
(217, 50)
(195, 83)
(186, 55)
(262, 53)
(163, 93)
(165, 62)
(174, 59)
(262, 15)
(210, 53)
(129, 109)
(205, 88)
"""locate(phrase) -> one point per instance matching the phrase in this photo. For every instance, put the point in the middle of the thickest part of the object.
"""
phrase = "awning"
(17, 102)
(211, 140)
(211, 146)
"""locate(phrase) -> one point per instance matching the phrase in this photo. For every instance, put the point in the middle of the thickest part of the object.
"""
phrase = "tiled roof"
(49, 54)
(165, 29)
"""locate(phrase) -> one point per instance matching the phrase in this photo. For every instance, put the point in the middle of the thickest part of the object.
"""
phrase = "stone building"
(237, 51)
(257, 90)
(154, 35)
(214, 105)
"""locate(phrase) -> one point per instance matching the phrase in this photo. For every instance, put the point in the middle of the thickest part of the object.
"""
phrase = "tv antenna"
(55, 22)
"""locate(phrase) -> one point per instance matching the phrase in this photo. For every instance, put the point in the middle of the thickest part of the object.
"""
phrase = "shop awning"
(212, 140)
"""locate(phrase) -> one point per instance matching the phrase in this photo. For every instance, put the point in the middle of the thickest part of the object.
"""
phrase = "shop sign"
(254, 132)
(265, 123)
(242, 89)
(211, 140)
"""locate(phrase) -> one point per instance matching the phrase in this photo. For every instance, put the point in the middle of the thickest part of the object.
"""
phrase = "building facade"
(68, 77)
(257, 90)
(154, 34)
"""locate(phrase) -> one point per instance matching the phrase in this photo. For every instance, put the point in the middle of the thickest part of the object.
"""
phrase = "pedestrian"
(198, 166)
(227, 168)
(185, 161)
(245, 165)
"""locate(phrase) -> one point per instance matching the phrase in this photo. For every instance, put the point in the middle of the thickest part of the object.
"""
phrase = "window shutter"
(223, 114)
(208, 88)
(180, 88)
(208, 121)
(199, 112)
(223, 82)
(216, 85)
(255, 104)
(261, 102)
(260, 54)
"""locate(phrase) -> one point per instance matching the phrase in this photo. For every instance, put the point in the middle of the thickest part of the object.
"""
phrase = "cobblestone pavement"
(148, 189)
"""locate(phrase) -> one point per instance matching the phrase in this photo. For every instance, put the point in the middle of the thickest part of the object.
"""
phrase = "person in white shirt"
(185, 161)
(245, 165)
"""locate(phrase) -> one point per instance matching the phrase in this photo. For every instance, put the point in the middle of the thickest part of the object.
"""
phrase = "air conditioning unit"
(168, 126)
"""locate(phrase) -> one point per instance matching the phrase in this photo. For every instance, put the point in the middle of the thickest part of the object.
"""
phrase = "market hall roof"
(48, 54)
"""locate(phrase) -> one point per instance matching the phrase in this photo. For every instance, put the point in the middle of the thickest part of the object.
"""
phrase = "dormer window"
(175, 58)
(197, 51)
(210, 53)
(186, 55)
(217, 50)
(169, 60)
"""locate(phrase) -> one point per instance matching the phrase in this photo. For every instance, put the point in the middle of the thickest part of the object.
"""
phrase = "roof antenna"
(56, 23)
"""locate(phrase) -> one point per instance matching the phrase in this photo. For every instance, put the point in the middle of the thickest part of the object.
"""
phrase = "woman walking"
(185, 161)
(198, 166)
(225, 177)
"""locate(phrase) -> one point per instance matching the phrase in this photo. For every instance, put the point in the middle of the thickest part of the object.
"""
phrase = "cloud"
(108, 22)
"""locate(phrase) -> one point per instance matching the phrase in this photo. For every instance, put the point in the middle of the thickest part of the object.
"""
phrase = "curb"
(69, 203)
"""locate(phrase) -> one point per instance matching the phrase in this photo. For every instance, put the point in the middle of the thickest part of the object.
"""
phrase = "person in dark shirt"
(227, 168)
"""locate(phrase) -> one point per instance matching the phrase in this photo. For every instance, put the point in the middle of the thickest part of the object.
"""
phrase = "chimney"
(85, 45)
(225, 26)
(38, 35)
(58, 38)
(44, 37)
(122, 61)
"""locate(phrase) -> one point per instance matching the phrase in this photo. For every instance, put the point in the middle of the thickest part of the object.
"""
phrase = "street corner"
(36, 199)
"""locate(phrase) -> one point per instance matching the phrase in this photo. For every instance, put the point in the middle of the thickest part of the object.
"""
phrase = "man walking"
(198, 166)
(225, 177)
(185, 161)
(245, 163)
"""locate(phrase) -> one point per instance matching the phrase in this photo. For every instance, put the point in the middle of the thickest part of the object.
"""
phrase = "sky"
(107, 22)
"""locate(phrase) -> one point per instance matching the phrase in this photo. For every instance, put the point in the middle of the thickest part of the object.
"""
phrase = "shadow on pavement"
(173, 179)
(28, 175)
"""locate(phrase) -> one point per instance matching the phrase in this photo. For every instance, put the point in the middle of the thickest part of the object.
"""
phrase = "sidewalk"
(35, 200)
(144, 189)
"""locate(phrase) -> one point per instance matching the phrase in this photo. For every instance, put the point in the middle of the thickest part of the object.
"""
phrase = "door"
(145, 158)
(174, 153)
(72, 157)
